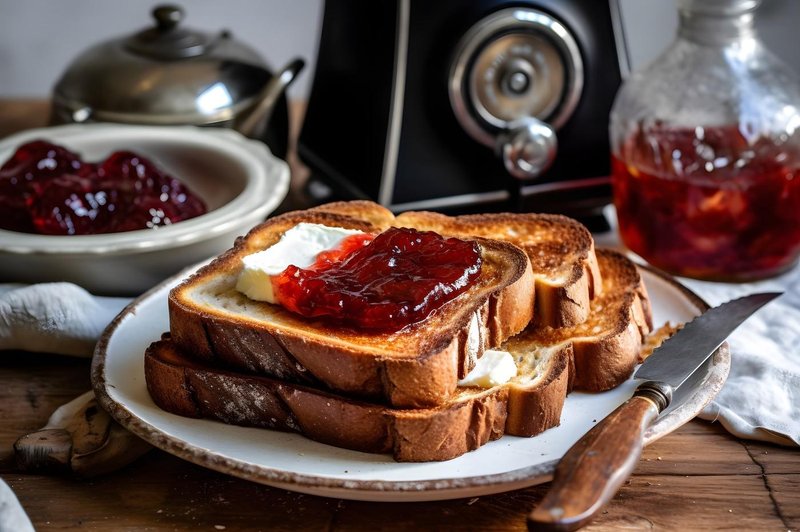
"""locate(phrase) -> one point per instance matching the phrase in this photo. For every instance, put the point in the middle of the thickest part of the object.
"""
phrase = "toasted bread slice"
(560, 249)
(416, 366)
(549, 363)
(606, 346)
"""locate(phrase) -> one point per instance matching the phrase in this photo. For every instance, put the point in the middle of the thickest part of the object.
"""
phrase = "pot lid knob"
(167, 16)
(167, 40)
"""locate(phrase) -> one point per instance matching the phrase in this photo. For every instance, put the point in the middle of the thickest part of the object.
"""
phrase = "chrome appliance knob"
(516, 77)
(528, 147)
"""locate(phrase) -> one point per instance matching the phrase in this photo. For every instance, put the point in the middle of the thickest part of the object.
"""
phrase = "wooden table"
(699, 477)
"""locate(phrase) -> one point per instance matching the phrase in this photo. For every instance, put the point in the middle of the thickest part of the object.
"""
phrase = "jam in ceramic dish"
(400, 277)
(47, 189)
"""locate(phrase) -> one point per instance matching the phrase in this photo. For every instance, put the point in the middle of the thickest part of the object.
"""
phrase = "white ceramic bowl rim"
(255, 196)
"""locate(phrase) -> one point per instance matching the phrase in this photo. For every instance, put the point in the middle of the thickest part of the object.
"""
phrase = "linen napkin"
(57, 318)
(761, 398)
(12, 517)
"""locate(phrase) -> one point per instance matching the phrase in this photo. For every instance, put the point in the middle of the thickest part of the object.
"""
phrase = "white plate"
(296, 463)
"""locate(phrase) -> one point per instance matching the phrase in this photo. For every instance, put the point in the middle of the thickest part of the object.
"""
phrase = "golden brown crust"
(534, 409)
(249, 400)
(377, 215)
(606, 346)
(560, 249)
(471, 418)
(587, 333)
(418, 366)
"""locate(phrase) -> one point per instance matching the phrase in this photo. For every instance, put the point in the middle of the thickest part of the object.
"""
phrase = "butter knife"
(593, 469)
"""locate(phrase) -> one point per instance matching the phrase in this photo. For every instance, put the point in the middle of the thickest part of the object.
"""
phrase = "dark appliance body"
(464, 106)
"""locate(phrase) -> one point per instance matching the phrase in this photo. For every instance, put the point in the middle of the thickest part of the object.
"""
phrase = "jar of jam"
(706, 151)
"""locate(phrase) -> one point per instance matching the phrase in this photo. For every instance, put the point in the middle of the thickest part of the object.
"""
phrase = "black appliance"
(465, 106)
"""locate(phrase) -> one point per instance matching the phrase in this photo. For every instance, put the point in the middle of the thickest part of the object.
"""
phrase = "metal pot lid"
(163, 74)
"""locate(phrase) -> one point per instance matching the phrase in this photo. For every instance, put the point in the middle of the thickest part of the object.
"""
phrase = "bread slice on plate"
(417, 366)
(605, 348)
(594, 355)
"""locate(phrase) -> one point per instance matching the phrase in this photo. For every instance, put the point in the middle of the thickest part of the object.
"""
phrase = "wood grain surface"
(698, 478)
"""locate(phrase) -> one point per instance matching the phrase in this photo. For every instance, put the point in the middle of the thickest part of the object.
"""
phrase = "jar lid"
(165, 74)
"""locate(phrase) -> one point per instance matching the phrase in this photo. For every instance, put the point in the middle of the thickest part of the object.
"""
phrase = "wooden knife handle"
(593, 469)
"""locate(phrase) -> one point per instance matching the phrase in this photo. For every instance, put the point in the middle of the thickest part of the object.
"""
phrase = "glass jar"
(706, 151)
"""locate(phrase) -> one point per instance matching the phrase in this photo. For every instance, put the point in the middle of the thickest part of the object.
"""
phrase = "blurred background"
(39, 38)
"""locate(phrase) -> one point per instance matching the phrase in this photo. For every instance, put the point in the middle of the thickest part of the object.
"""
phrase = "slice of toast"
(594, 355)
(416, 366)
(605, 348)
(560, 249)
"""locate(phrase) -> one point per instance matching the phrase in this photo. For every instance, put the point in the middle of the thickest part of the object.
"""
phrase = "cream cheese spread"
(495, 367)
(299, 246)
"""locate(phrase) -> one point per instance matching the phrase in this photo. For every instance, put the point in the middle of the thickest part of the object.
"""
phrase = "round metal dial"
(514, 64)
(515, 76)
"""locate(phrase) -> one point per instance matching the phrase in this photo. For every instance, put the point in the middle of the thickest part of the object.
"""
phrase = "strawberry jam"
(47, 189)
(706, 203)
(399, 277)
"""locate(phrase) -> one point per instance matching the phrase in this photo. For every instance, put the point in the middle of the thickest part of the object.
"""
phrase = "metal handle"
(269, 96)
(528, 147)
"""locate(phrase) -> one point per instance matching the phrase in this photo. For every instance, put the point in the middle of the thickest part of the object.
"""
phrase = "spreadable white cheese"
(495, 367)
(299, 246)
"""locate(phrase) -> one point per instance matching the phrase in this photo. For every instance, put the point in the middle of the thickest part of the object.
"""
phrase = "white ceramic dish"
(295, 463)
(238, 178)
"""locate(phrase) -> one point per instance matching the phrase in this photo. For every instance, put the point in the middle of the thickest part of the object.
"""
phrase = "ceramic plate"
(295, 463)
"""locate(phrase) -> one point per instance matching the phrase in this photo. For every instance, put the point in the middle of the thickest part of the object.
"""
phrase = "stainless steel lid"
(166, 74)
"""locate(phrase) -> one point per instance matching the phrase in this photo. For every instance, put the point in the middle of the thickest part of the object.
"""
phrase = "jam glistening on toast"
(380, 282)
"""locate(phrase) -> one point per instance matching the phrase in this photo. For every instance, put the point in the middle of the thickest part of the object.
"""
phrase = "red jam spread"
(713, 207)
(47, 189)
(400, 277)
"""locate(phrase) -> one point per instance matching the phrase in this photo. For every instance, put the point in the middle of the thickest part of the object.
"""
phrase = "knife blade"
(593, 469)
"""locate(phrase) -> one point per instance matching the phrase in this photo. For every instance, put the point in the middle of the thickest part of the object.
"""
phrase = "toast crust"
(417, 366)
(188, 388)
(550, 363)
(606, 346)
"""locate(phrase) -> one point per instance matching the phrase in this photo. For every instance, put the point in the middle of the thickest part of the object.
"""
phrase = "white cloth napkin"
(761, 398)
(57, 318)
(54, 318)
(12, 517)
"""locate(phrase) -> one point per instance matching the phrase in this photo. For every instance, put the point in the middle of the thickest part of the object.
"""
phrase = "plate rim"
(372, 489)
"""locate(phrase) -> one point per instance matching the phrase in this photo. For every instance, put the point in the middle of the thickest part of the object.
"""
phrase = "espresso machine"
(465, 106)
